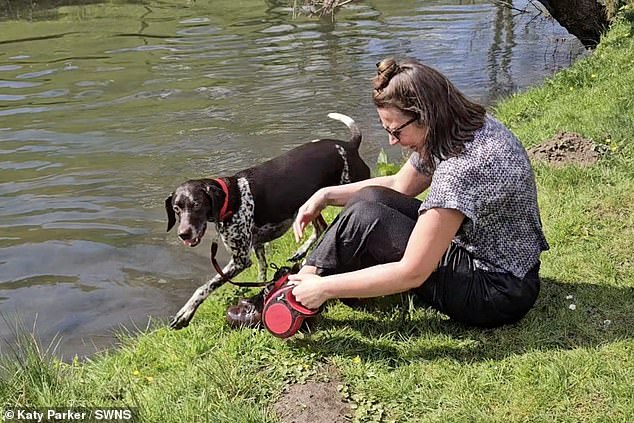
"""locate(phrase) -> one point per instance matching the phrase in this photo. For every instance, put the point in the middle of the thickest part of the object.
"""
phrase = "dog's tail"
(355, 140)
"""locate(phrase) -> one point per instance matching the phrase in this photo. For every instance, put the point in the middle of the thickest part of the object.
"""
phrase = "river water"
(106, 107)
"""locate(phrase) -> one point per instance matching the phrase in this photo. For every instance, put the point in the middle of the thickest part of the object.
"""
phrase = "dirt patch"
(566, 148)
(315, 402)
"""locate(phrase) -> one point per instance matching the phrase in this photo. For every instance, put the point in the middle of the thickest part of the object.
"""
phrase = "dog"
(259, 204)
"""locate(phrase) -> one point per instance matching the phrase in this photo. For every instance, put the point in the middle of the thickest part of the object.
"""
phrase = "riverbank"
(571, 359)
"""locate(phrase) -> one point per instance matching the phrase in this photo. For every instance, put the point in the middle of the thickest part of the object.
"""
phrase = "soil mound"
(315, 402)
(566, 148)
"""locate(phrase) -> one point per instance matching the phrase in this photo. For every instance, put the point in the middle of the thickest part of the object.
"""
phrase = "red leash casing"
(282, 314)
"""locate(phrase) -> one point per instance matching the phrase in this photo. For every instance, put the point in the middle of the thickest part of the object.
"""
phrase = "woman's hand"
(308, 212)
(308, 289)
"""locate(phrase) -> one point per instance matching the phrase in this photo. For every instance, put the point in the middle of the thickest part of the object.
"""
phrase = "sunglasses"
(397, 131)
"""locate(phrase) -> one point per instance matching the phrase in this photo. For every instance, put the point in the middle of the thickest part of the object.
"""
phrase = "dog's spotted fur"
(345, 174)
(237, 233)
(264, 200)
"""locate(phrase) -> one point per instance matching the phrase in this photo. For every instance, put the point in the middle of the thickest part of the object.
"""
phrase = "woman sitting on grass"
(471, 248)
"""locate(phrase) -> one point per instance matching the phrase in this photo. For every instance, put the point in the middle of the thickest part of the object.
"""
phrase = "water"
(106, 107)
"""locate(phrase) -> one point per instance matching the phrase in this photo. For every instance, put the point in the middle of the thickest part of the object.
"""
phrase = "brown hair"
(419, 90)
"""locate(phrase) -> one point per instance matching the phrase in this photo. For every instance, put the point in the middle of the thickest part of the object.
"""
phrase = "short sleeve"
(451, 189)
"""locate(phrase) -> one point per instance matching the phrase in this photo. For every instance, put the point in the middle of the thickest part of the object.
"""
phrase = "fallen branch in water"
(320, 7)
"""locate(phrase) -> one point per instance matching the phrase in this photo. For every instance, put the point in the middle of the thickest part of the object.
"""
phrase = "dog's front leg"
(185, 314)
(262, 264)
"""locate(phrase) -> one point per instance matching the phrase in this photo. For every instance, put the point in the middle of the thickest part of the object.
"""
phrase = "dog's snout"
(185, 236)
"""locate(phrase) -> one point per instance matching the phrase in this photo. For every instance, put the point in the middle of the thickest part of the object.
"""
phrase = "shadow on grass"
(566, 316)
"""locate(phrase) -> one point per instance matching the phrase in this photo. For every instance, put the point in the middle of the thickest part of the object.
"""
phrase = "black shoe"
(244, 315)
(248, 312)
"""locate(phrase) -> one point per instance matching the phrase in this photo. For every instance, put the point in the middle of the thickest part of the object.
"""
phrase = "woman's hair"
(420, 91)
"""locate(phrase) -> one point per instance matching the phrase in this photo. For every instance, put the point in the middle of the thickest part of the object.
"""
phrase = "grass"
(559, 364)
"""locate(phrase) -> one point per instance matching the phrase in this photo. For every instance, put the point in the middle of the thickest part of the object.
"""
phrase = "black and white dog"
(258, 205)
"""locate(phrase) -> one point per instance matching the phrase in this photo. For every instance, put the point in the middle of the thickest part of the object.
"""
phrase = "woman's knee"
(371, 220)
(361, 212)
(395, 200)
(372, 194)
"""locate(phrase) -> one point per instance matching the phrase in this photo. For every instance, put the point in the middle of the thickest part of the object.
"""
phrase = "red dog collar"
(224, 212)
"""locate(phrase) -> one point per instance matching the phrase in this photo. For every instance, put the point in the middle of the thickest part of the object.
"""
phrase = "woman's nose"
(392, 139)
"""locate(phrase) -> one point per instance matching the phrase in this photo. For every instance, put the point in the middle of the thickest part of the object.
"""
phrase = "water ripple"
(18, 84)
(31, 39)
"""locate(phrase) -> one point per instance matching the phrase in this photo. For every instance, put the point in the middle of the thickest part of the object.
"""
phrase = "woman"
(470, 249)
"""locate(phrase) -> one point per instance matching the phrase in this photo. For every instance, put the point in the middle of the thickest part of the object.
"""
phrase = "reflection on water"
(105, 108)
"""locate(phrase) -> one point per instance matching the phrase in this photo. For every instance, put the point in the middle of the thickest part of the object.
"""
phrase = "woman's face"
(402, 128)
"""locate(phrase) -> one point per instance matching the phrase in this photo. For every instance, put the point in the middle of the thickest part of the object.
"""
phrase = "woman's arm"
(407, 181)
(429, 240)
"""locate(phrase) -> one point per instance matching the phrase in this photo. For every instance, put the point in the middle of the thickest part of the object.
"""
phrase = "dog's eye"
(177, 209)
(196, 205)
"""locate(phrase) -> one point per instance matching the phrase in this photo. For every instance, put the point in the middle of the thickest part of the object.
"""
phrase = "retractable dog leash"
(282, 314)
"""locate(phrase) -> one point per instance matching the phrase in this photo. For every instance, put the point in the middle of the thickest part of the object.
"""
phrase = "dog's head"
(194, 203)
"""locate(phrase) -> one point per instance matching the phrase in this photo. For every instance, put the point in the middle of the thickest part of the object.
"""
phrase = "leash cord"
(214, 262)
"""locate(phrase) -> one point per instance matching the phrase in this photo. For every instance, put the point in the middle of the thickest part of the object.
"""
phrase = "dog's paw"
(181, 320)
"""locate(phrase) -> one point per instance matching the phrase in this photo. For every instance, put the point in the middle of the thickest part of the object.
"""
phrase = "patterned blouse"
(493, 185)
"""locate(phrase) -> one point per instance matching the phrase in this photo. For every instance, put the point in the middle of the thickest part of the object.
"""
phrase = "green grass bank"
(560, 364)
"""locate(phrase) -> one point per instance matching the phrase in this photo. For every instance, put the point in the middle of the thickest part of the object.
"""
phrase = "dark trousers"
(374, 228)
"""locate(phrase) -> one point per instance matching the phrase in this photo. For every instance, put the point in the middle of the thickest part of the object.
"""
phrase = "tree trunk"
(585, 19)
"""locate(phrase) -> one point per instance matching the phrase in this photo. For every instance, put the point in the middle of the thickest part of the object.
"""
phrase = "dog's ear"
(216, 198)
(169, 209)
